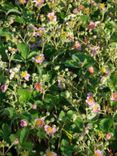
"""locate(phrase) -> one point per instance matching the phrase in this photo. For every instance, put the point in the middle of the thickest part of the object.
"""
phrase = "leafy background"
(79, 131)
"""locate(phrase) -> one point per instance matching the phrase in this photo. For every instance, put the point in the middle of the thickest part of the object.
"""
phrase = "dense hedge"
(58, 78)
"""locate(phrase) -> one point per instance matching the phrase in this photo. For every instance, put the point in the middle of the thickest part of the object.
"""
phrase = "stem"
(9, 148)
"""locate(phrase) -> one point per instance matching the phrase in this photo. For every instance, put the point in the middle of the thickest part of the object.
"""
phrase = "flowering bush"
(58, 78)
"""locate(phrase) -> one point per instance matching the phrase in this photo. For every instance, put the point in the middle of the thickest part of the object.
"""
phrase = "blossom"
(39, 122)
(34, 106)
(98, 153)
(25, 75)
(75, 11)
(70, 36)
(105, 71)
(108, 136)
(50, 153)
(77, 45)
(91, 70)
(114, 96)
(39, 58)
(90, 100)
(50, 130)
(3, 88)
(16, 141)
(38, 87)
(38, 2)
(23, 123)
(14, 71)
(22, 1)
(102, 6)
(80, 8)
(39, 31)
(96, 108)
(52, 17)
(61, 82)
(92, 25)
(94, 50)
(12, 50)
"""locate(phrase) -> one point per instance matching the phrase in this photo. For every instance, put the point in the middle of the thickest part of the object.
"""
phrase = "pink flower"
(50, 130)
(38, 87)
(39, 58)
(96, 108)
(39, 122)
(3, 88)
(91, 70)
(39, 31)
(52, 17)
(22, 1)
(16, 141)
(98, 153)
(38, 2)
(92, 25)
(90, 100)
(94, 50)
(108, 136)
(25, 75)
(77, 45)
(114, 96)
(34, 106)
(23, 123)
(80, 8)
(70, 37)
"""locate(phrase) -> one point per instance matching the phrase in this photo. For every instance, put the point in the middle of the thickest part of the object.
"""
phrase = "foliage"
(58, 77)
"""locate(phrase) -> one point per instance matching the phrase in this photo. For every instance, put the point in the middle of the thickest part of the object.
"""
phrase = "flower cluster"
(50, 130)
(52, 17)
(98, 153)
(93, 105)
(58, 77)
(38, 2)
(39, 31)
(25, 75)
(39, 58)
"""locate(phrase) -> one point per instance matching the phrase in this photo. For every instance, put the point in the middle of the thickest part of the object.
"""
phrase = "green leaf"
(2, 52)
(20, 20)
(70, 114)
(33, 53)
(5, 33)
(2, 77)
(61, 115)
(113, 81)
(106, 124)
(41, 133)
(15, 11)
(24, 95)
(6, 132)
(27, 145)
(10, 111)
(23, 49)
(12, 138)
(113, 45)
(79, 58)
(66, 148)
(23, 135)
(79, 124)
(84, 19)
